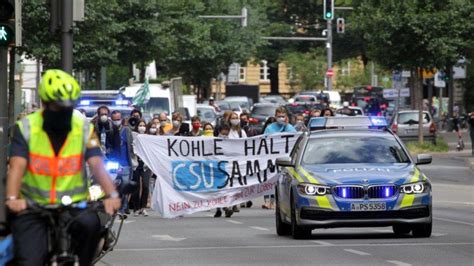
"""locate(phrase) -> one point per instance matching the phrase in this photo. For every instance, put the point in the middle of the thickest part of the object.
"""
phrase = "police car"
(352, 172)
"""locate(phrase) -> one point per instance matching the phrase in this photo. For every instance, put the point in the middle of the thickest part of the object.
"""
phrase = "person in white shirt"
(236, 132)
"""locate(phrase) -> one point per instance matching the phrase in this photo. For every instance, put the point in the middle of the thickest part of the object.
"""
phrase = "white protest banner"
(201, 173)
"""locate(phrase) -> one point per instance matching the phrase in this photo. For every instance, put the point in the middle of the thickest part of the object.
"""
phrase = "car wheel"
(400, 230)
(298, 232)
(282, 228)
(423, 230)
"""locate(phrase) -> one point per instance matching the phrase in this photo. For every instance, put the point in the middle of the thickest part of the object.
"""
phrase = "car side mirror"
(423, 159)
(285, 162)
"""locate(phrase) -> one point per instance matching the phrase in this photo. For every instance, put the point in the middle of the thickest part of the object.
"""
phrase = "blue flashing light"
(85, 102)
(317, 123)
(387, 192)
(121, 102)
(378, 121)
(112, 166)
(344, 192)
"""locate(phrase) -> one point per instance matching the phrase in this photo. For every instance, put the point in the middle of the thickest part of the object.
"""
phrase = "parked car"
(353, 111)
(260, 113)
(273, 98)
(235, 107)
(244, 102)
(405, 125)
(206, 113)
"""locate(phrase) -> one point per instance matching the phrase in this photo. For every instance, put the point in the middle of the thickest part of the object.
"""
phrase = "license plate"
(411, 131)
(367, 207)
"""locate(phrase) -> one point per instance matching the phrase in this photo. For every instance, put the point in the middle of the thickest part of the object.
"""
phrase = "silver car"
(405, 125)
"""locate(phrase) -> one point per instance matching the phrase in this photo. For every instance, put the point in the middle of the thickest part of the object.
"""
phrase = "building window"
(264, 73)
(243, 74)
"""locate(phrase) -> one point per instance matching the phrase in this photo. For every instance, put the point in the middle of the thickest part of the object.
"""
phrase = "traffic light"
(328, 9)
(7, 25)
(340, 25)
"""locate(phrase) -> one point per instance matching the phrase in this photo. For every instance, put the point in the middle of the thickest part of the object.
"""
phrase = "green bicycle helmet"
(59, 87)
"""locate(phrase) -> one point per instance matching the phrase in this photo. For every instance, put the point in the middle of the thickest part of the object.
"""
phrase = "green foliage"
(416, 148)
(308, 69)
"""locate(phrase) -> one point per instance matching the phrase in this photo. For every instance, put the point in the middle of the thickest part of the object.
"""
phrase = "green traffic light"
(6, 35)
(328, 15)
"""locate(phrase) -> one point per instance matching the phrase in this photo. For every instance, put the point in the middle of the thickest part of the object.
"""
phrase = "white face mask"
(153, 130)
(235, 122)
(299, 123)
(176, 123)
(103, 118)
(117, 123)
(162, 123)
(141, 130)
(281, 120)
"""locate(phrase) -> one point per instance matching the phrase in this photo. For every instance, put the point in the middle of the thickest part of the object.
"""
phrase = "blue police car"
(352, 172)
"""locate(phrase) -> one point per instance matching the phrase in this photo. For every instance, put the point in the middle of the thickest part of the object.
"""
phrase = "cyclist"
(48, 151)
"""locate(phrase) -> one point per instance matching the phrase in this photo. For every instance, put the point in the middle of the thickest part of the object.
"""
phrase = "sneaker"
(145, 213)
(229, 212)
(235, 208)
(136, 213)
(218, 213)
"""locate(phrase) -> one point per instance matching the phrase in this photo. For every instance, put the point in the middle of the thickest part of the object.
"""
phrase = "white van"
(160, 99)
(334, 99)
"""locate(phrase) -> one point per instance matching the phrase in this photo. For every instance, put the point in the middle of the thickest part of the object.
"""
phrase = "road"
(249, 236)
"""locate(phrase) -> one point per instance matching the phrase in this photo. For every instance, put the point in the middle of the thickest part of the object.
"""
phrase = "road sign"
(397, 76)
(405, 92)
(439, 79)
(234, 73)
(393, 93)
(330, 72)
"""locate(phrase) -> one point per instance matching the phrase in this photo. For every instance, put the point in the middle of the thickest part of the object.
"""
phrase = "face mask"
(57, 121)
(176, 123)
(117, 123)
(281, 120)
(243, 123)
(299, 123)
(235, 122)
(141, 130)
(103, 118)
(208, 132)
(153, 130)
(196, 126)
(163, 123)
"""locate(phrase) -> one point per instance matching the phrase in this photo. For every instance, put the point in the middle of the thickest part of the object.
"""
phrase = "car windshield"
(263, 110)
(412, 118)
(294, 109)
(354, 149)
(206, 114)
(157, 105)
(224, 106)
(305, 98)
(234, 106)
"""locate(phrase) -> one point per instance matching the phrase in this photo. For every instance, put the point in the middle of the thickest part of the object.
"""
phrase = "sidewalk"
(466, 154)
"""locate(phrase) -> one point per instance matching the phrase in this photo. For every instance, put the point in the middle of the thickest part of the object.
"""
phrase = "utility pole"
(329, 52)
(3, 126)
(66, 35)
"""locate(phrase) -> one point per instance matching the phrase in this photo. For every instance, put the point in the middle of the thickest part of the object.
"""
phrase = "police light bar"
(121, 102)
(85, 102)
(373, 122)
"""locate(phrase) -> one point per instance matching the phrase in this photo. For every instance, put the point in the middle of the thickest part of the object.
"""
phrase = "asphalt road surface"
(249, 237)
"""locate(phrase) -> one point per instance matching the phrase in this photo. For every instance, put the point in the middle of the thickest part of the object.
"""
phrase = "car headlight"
(415, 188)
(312, 189)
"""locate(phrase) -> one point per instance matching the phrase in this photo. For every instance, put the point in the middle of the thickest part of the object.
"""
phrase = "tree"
(416, 35)
(309, 69)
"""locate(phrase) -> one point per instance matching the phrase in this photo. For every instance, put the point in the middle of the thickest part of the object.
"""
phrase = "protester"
(281, 124)
(346, 110)
(299, 123)
(165, 126)
(214, 105)
(208, 130)
(104, 129)
(327, 112)
(196, 124)
(179, 128)
(236, 131)
(315, 113)
(134, 118)
(245, 125)
(141, 175)
(224, 133)
(224, 119)
(152, 129)
(122, 152)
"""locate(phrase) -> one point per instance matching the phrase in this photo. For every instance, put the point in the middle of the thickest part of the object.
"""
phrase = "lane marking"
(125, 222)
(168, 238)
(390, 231)
(323, 243)
(259, 228)
(233, 222)
(297, 246)
(452, 202)
(453, 221)
(398, 263)
(362, 253)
